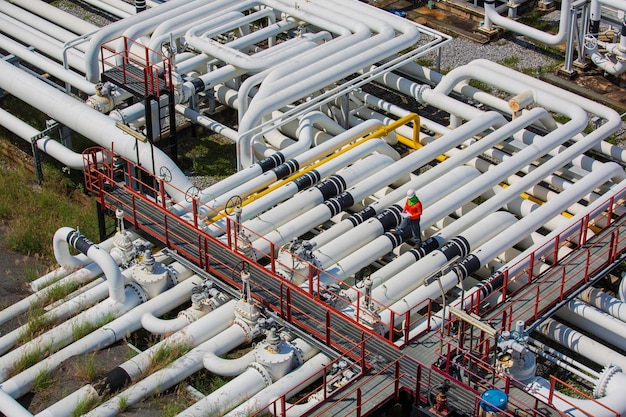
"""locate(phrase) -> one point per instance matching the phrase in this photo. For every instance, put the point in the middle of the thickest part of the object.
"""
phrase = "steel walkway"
(387, 369)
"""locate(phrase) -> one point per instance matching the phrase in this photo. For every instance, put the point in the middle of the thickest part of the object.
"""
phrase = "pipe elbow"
(61, 249)
(157, 325)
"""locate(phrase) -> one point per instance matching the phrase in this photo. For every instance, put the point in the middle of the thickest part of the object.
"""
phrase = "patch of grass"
(510, 61)
(38, 321)
(86, 366)
(30, 273)
(213, 156)
(122, 403)
(59, 290)
(84, 406)
(35, 213)
(428, 63)
(80, 330)
(207, 382)
(480, 85)
(43, 380)
(166, 354)
(28, 359)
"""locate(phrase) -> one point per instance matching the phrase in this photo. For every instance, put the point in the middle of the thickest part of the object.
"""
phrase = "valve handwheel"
(232, 204)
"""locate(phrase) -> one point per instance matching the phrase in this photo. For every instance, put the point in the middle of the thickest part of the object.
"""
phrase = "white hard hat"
(410, 193)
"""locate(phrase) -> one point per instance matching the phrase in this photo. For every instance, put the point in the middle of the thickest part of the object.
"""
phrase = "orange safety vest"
(415, 210)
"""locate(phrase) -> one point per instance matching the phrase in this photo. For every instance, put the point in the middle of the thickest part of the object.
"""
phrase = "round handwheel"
(232, 204)
(165, 174)
(191, 193)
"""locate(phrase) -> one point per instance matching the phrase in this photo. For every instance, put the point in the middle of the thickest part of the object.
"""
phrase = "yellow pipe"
(540, 202)
(381, 131)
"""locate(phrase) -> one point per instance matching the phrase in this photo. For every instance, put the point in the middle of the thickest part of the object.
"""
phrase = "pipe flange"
(143, 297)
(297, 352)
(267, 378)
(172, 276)
(419, 94)
(604, 379)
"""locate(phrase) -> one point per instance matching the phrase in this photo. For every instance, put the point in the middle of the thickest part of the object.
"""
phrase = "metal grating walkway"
(386, 367)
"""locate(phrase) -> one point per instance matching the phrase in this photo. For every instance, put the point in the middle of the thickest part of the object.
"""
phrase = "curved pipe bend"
(66, 236)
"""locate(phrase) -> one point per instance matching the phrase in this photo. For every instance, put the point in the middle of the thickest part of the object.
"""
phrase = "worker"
(411, 218)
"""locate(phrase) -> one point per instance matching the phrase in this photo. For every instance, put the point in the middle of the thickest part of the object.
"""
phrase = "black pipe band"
(306, 180)
(286, 169)
(430, 245)
(271, 161)
(362, 216)
(393, 238)
(332, 186)
(338, 204)
(113, 381)
(459, 246)
(389, 218)
(79, 242)
(468, 266)
(198, 85)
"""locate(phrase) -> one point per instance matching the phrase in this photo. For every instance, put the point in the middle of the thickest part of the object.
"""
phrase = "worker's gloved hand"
(404, 214)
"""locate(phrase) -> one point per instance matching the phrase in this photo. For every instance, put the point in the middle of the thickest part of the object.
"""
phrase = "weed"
(510, 61)
(480, 85)
(79, 330)
(28, 359)
(35, 216)
(43, 380)
(166, 354)
(60, 290)
(122, 403)
(38, 320)
(86, 367)
(84, 406)
(428, 63)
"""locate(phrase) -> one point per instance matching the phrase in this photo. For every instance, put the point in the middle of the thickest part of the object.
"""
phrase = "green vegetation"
(80, 330)
(28, 359)
(212, 156)
(166, 354)
(38, 321)
(59, 290)
(35, 213)
(86, 366)
(510, 61)
(44, 380)
(84, 406)
(480, 85)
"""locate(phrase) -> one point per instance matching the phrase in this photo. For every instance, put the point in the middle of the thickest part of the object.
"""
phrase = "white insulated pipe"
(605, 302)
(294, 81)
(66, 236)
(106, 335)
(492, 15)
(133, 369)
(584, 345)
(175, 372)
(55, 14)
(311, 197)
(613, 119)
(609, 405)
(342, 268)
(594, 321)
(226, 186)
(251, 380)
(406, 289)
(512, 235)
(89, 123)
(46, 144)
(289, 386)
